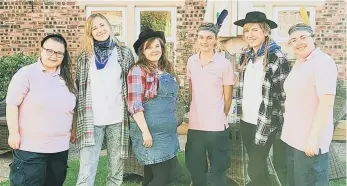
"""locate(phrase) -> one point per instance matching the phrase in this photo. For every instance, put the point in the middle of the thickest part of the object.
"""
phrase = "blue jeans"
(307, 171)
(89, 157)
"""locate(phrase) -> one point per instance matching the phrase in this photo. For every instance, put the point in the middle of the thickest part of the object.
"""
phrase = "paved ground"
(5, 159)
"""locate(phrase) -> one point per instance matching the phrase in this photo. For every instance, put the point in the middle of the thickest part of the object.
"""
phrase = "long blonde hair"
(88, 41)
(266, 29)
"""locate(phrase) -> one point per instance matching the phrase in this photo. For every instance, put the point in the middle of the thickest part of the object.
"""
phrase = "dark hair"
(163, 64)
(65, 72)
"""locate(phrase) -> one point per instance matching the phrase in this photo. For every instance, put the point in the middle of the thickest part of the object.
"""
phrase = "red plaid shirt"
(142, 86)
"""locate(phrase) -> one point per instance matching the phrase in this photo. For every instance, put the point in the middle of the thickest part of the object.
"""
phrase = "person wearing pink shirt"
(308, 120)
(40, 106)
(211, 78)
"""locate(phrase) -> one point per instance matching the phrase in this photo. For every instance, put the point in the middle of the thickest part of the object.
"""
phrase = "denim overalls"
(160, 115)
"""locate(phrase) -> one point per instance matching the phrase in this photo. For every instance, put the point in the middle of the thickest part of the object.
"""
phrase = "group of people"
(116, 99)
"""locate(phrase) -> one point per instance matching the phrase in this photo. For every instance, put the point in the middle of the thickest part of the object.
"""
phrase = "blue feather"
(221, 18)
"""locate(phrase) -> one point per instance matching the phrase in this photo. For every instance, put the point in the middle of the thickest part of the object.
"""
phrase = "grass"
(100, 180)
(101, 175)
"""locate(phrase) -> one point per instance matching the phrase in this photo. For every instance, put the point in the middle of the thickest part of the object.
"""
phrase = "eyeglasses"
(50, 52)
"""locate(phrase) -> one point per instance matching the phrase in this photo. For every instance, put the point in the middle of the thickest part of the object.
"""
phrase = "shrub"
(340, 101)
(155, 20)
(9, 66)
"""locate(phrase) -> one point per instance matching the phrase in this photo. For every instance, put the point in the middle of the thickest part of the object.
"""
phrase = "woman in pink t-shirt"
(308, 121)
(40, 108)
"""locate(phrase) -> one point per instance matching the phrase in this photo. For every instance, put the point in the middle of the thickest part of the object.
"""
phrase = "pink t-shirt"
(308, 80)
(45, 109)
(207, 105)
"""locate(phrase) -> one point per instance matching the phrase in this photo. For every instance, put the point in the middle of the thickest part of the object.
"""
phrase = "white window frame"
(259, 9)
(277, 9)
(123, 37)
(173, 10)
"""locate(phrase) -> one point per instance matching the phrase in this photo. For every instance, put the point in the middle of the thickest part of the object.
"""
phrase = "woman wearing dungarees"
(152, 95)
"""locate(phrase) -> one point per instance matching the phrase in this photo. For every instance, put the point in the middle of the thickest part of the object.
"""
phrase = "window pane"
(115, 18)
(286, 19)
(157, 20)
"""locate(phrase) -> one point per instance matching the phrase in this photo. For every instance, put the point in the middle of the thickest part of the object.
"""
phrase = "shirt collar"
(213, 59)
(39, 62)
(313, 53)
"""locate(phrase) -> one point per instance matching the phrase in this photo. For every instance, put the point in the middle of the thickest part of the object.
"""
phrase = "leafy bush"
(9, 66)
(154, 20)
(340, 101)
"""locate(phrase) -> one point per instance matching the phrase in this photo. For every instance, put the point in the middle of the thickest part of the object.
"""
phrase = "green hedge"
(340, 101)
(9, 66)
(154, 20)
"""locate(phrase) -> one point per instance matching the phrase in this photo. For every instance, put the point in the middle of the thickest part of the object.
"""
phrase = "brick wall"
(331, 31)
(23, 25)
(189, 18)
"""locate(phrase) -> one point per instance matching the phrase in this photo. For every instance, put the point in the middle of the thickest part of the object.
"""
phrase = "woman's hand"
(73, 137)
(14, 140)
(147, 139)
(311, 148)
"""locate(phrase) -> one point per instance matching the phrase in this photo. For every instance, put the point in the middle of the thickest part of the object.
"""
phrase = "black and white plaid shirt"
(270, 115)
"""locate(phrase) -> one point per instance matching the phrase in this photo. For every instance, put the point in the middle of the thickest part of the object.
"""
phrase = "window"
(117, 18)
(158, 19)
(259, 8)
(286, 17)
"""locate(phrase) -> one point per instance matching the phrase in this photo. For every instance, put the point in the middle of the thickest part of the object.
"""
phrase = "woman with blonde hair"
(260, 95)
(102, 69)
(152, 95)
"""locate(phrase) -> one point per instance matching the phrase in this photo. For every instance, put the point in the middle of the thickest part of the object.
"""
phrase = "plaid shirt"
(142, 86)
(270, 115)
(85, 122)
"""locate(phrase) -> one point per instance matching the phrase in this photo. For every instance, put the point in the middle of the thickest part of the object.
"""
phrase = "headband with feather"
(214, 28)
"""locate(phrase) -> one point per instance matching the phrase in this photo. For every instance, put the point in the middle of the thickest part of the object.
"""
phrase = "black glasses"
(50, 52)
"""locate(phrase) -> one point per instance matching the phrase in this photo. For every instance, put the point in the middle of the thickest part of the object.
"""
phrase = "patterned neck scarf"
(271, 47)
(103, 51)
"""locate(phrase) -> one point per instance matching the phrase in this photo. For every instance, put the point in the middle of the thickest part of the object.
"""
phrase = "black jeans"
(279, 160)
(38, 169)
(158, 174)
(218, 146)
(257, 164)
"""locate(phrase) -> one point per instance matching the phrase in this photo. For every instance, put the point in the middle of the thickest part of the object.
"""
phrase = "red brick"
(332, 39)
(27, 28)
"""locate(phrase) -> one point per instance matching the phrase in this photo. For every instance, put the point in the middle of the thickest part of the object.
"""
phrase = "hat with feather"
(214, 28)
